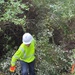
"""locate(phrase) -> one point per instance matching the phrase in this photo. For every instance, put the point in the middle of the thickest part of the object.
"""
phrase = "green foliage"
(58, 11)
(65, 9)
(11, 10)
(7, 45)
(51, 60)
(73, 56)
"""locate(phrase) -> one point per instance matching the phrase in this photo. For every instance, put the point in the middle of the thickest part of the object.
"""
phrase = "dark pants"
(27, 68)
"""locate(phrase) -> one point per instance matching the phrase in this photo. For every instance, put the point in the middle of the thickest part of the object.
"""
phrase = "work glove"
(72, 69)
(12, 68)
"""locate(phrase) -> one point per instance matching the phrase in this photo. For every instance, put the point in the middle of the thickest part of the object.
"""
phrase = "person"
(25, 54)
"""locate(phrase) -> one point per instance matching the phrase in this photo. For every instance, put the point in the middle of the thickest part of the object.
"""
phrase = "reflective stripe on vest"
(22, 49)
(15, 56)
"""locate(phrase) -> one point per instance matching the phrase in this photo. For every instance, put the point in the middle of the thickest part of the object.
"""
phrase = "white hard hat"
(27, 38)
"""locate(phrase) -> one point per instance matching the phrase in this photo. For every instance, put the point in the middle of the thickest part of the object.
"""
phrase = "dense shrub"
(11, 11)
(51, 59)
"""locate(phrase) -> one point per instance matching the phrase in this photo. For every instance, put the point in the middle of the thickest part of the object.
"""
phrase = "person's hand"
(12, 68)
(72, 69)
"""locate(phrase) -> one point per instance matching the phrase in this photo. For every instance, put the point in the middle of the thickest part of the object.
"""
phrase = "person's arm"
(15, 57)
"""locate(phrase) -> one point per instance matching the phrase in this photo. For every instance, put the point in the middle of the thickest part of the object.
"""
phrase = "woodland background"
(51, 22)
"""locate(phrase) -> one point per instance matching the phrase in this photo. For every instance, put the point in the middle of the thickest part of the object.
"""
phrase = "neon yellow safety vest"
(24, 53)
